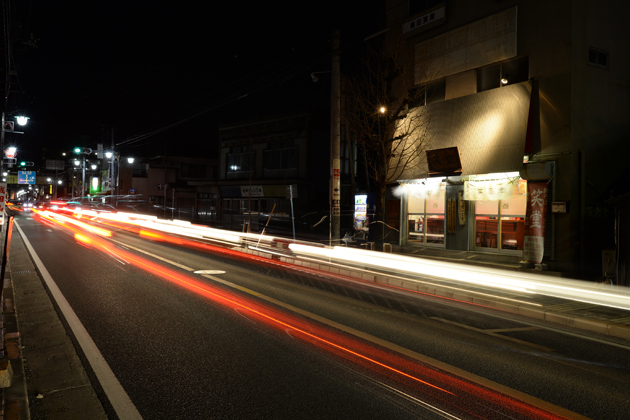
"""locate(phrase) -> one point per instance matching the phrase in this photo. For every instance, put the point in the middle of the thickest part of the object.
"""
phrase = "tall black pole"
(335, 141)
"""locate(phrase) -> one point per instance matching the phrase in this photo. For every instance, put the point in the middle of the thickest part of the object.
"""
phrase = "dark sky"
(144, 67)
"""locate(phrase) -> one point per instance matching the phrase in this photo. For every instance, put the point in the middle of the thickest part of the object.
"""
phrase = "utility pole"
(335, 140)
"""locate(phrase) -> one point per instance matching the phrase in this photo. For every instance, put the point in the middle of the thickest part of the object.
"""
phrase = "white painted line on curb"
(124, 407)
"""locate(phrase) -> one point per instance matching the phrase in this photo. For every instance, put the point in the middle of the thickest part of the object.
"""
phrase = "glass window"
(435, 229)
(435, 205)
(416, 205)
(514, 206)
(598, 58)
(426, 221)
(500, 224)
(515, 70)
(240, 162)
(486, 231)
(512, 232)
(488, 78)
(416, 228)
(276, 159)
(486, 207)
(436, 92)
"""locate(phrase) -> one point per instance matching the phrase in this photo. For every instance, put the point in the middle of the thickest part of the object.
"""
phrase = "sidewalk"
(49, 380)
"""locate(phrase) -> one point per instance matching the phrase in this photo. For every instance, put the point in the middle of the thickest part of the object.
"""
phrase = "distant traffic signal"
(84, 150)
(25, 163)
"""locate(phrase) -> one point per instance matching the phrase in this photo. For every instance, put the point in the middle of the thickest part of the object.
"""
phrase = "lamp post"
(7, 127)
(83, 151)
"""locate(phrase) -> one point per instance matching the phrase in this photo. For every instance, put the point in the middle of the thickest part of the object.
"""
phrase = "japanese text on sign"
(536, 215)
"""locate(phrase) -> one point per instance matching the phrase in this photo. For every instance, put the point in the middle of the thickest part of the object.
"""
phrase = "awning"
(488, 128)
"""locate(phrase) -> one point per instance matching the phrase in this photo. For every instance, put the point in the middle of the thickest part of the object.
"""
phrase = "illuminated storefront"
(483, 213)
(499, 203)
(426, 213)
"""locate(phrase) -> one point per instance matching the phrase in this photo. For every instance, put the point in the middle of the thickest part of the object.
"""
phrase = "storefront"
(498, 205)
(468, 194)
(249, 207)
(484, 213)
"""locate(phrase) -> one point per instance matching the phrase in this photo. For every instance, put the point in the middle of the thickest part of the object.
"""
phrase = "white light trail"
(598, 294)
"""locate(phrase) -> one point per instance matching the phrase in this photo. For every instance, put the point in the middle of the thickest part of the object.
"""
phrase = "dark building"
(534, 96)
(275, 166)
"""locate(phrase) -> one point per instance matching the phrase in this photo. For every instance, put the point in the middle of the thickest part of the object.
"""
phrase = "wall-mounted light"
(504, 79)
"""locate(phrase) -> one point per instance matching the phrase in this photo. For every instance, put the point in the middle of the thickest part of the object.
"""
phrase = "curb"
(601, 327)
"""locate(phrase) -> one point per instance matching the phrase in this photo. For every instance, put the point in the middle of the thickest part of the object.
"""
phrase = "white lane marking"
(124, 407)
(183, 267)
(209, 272)
(399, 349)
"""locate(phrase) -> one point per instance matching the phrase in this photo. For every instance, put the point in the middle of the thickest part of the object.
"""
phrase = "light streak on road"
(65, 219)
(618, 297)
(613, 296)
(453, 391)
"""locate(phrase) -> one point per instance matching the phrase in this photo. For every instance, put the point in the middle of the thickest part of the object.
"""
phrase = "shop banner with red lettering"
(536, 218)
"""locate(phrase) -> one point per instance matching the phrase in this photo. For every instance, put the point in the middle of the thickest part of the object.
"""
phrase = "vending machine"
(364, 210)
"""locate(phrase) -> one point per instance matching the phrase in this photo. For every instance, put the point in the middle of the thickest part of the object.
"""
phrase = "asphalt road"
(203, 350)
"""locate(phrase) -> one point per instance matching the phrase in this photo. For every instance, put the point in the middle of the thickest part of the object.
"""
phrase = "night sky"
(166, 76)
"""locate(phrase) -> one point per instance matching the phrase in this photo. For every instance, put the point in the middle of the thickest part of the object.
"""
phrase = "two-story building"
(529, 104)
(276, 166)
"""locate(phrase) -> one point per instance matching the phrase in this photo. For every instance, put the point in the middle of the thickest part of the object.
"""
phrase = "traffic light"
(25, 163)
(84, 150)
(22, 163)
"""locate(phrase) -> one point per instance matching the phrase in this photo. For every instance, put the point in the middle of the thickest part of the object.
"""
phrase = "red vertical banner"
(536, 218)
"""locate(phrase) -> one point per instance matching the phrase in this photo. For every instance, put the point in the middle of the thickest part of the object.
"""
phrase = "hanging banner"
(536, 218)
(490, 190)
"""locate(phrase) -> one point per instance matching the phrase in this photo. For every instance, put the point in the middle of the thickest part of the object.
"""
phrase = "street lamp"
(84, 151)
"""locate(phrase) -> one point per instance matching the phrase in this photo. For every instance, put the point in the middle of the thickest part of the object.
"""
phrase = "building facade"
(528, 108)
(276, 166)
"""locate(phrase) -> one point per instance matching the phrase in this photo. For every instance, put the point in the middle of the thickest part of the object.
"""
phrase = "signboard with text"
(252, 191)
(536, 218)
(26, 177)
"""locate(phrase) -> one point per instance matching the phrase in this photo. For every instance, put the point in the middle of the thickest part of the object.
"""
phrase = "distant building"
(526, 93)
(275, 166)
(174, 186)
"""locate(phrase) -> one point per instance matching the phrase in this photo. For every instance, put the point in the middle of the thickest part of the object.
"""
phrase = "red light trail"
(453, 391)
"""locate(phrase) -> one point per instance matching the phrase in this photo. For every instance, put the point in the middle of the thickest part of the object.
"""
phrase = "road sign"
(26, 177)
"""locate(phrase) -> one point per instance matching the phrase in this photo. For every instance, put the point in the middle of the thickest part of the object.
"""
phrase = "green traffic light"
(77, 150)
(22, 163)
